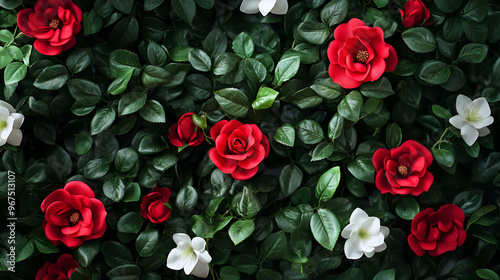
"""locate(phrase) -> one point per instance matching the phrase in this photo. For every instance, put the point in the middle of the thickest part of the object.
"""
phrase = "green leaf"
(86, 252)
(448, 6)
(441, 112)
(325, 228)
(419, 39)
(322, 151)
(350, 106)
(131, 102)
(274, 246)
(200, 60)
(443, 156)
(124, 6)
(92, 22)
(476, 32)
(248, 205)
(381, 3)
(229, 273)
(103, 119)
(243, 45)
(285, 135)
(286, 69)
(475, 10)
(362, 168)
(268, 274)
(130, 223)
(84, 91)
(150, 5)
(326, 88)
(156, 54)
(388, 274)
(125, 32)
(10, 4)
(232, 101)
(186, 199)
(14, 72)
(38, 107)
(116, 254)
(126, 271)
(121, 61)
(153, 112)
(241, 230)
(473, 53)
(334, 12)
(265, 98)
(52, 78)
(119, 85)
(96, 169)
(407, 208)
(126, 160)
(78, 60)
(434, 72)
(480, 213)
(313, 32)
(290, 179)
(216, 42)
(485, 273)
(114, 189)
(310, 132)
(225, 63)
(83, 142)
(335, 126)
(328, 183)
(393, 135)
(255, 70)
(5, 57)
(381, 88)
(43, 245)
(147, 242)
(6, 36)
(185, 9)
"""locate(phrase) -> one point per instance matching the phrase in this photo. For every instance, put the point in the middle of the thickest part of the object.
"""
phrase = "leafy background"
(100, 113)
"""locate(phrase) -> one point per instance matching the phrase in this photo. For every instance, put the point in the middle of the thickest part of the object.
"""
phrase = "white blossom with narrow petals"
(472, 119)
(10, 122)
(189, 255)
(364, 235)
(278, 7)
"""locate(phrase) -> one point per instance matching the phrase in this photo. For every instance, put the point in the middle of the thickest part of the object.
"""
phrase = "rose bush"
(359, 54)
(73, 215)
(61, 270)
(437, 232)
(153, 206)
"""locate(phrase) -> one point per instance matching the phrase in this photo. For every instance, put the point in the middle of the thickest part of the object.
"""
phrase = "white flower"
(190, 255)
(472, 119)
(278, 7)
(10, 122)
(364, 235)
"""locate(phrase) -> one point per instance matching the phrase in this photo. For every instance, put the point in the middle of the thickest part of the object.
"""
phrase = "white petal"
(250, 6)
(365, 247)
(7, 106)
(18, 119)
(381, 248)
(351, 252)
(385, 231)
(376, 240)
(458, 121)
(178, 237)
(483, 122)
(192, 260)
(369, 254)
(371, 225)
(462, 104)
(469, 134)
(346, 232)
(484, 131)
(4, 113)
(204, 257)
(265, 6)
(198, 244)
(176, 260)
(201, 270)
(5, 133)
(357, 216)
(280, 8)
(482, 106)
(2, 141)
(15, 137)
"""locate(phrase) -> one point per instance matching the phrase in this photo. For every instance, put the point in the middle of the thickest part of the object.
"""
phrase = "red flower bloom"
(184, 131)
(73, 215)
(60, 270)
(239, 148)
(437, 232)
(53, 23)
(359, 54)
(403, 170)
(415, 14)
(153, 205)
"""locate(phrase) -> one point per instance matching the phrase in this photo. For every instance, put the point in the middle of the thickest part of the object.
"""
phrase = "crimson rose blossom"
(437, 232)
(60, 270)
(53, 23)
(239, 148)
(403, 170)
(153, 205)
(73, 215)
(359, 54)
(184, 131)
(415, 14)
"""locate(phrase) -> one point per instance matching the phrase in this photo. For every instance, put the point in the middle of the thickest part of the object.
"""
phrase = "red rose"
(403, 170)
(184, 131)
(60, 270)
(359, 54)
(73, 215)
(53, 23)
(153, 205)
(437, 232)
(239, 148)
(415, 14)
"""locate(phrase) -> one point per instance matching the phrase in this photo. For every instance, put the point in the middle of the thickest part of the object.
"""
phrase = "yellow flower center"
(54, 23)
(3, 124)
(363, 234)
(472, 115)
(362, 56)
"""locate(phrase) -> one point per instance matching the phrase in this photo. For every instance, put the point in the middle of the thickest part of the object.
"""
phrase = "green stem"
(438, 143)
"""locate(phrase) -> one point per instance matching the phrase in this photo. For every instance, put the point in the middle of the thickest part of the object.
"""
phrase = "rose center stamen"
(402, 170)
(75, 218)
(362, 56)
(54, 23)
